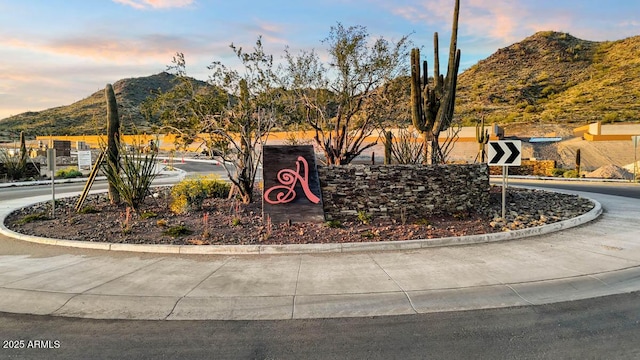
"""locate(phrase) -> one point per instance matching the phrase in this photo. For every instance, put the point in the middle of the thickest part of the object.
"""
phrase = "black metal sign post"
(505, 153)
(51, 162)
(636, 140)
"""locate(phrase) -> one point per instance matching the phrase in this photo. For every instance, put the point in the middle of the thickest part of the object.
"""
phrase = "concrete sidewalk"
(599, 258)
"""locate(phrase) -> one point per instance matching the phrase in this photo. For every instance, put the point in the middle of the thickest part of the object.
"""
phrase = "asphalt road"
(10, 193)
(602, 328)
(191, 167)
(625, 189)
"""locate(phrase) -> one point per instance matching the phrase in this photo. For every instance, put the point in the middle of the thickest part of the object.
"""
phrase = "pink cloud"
(505, 21)
(113, 49)
(495, 18)
(144, 49)
(155, 4)
(271, 33)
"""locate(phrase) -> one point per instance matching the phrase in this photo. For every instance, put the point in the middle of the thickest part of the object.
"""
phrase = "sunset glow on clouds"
(156, 4)
(56, 52)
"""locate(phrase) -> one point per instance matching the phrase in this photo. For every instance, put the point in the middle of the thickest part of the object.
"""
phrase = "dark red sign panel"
(291, 185)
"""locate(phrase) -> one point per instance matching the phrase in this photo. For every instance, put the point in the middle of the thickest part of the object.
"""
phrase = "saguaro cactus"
(388, 142)
(113, 139)
(482, 137)
(23, 151)
(578, 162)
(432, 107)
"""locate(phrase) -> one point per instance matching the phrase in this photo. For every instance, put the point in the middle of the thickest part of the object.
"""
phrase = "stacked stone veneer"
(403, 191)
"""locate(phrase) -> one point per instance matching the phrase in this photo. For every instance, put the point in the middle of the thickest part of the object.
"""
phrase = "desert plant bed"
(229, 222)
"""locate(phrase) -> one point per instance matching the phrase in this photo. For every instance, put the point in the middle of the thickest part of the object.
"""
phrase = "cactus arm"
(417, 112)
(453, 84)
(425, 81)
(482, 137)
(436, 62)
(113, 138)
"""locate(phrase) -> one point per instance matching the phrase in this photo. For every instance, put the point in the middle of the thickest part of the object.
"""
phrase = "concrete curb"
(309, 248)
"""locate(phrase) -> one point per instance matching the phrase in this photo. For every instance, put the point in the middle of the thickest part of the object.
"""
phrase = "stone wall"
(403, 191)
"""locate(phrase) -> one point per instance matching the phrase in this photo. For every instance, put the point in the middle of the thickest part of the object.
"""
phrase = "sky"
(56, 52)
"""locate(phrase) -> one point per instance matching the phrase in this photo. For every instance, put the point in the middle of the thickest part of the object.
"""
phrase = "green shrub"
(511, 117)
(571, 174)
(558, 172)
(543, 76)
(368, 234)
(189, 194)
(32, 217)
(610, 118)
(216, 188)
(148, 215)
(88, 210)
(335, 224)
(548, 90)
(178, 230)
(68, 173)
(364, 217)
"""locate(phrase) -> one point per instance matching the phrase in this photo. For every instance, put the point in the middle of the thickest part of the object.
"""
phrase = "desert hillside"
(549, 78)
(553, 77)
(87, 115)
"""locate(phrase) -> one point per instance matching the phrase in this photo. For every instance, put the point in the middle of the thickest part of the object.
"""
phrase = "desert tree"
(338, 98)
(232, 113)
(187, 107)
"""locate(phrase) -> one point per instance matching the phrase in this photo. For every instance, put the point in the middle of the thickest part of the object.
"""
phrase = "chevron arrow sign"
(505, 153)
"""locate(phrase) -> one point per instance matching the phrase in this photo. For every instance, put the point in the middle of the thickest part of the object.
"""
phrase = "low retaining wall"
(403, 191)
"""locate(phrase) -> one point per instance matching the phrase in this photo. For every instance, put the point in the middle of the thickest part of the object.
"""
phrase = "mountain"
(554, 77)
(88, 116)
(549, 77)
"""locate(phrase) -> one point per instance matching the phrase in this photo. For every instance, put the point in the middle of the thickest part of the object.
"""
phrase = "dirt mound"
(610, 172)
(594, 154)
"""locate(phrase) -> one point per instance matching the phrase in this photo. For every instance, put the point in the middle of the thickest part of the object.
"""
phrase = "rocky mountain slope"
(549, 77)
(87, 116)
(554, 77)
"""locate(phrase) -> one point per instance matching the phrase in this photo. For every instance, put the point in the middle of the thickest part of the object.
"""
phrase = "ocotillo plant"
(482, 137)
(113, 139)
(432, 107)
(578, 162)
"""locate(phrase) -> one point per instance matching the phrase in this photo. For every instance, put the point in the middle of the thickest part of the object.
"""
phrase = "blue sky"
(55, 52)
